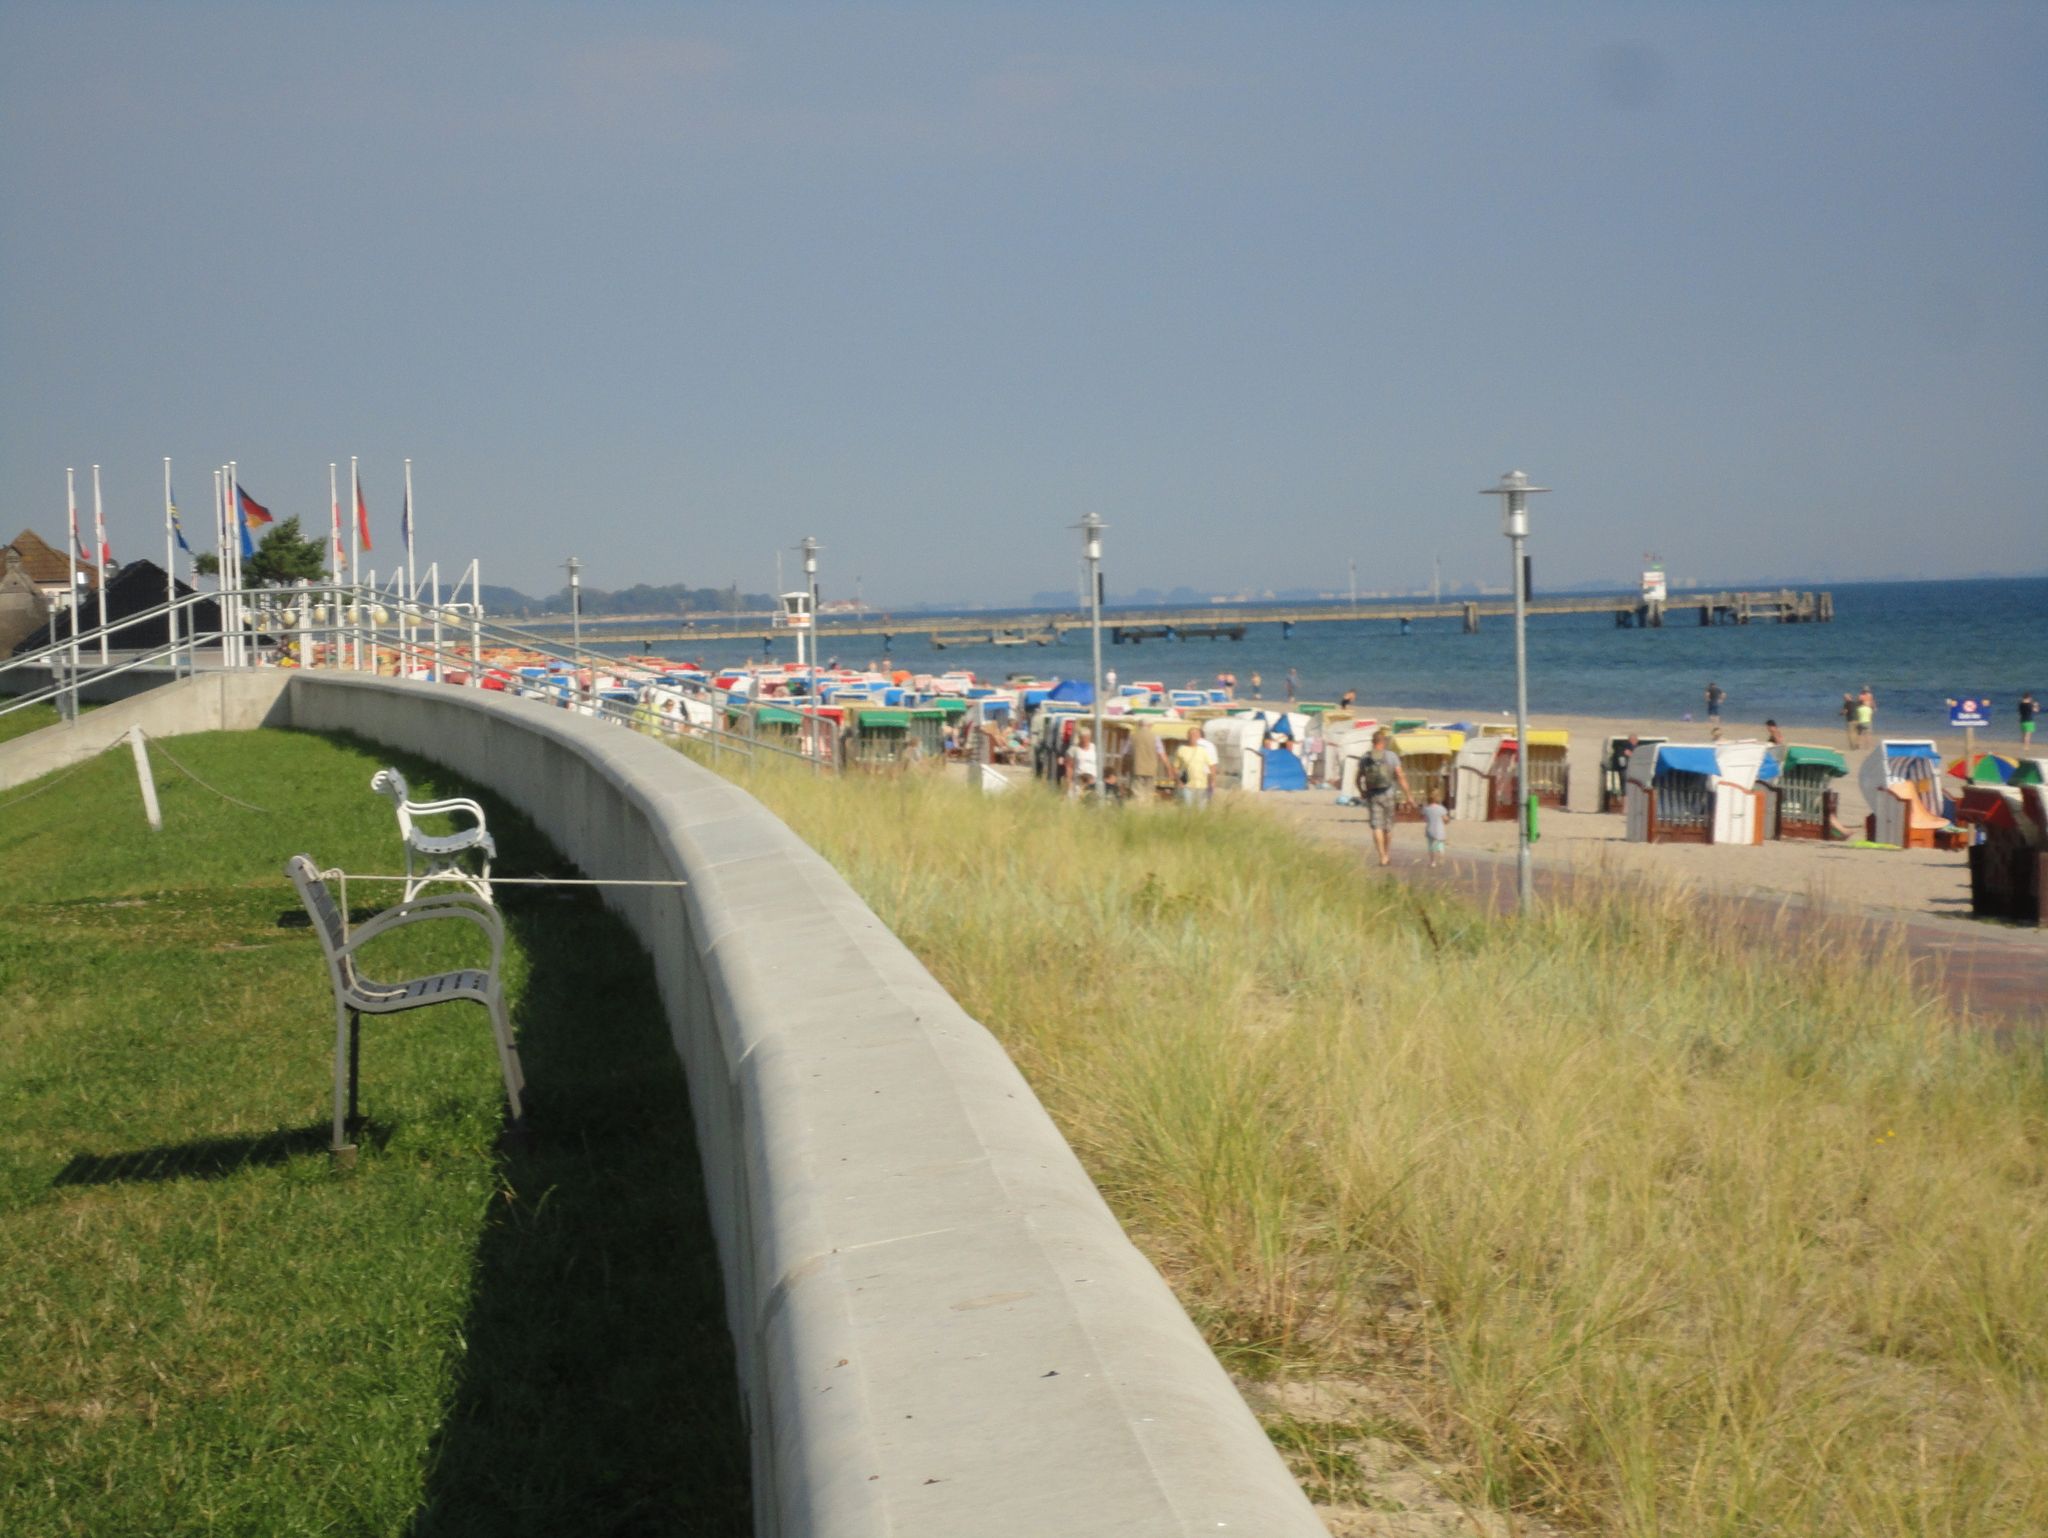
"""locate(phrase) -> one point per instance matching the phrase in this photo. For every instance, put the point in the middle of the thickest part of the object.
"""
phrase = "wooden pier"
(1214, 622)
(1783, 607)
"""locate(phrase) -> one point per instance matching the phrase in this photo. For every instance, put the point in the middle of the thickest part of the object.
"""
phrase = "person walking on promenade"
(1866, 711)
(1383, 784)
(1193, 769)
(1715, 695)
(1436, 828)
(2028, 711)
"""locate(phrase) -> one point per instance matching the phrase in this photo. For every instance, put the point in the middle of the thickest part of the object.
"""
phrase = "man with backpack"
(1381, 780)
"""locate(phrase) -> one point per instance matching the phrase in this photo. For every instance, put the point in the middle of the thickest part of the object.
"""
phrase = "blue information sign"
(1969, 712)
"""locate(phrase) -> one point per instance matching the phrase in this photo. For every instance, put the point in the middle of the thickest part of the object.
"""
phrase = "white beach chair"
(356, 995)
(438, 856)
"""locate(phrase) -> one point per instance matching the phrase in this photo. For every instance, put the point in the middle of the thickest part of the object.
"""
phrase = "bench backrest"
(391, 783)
(328, 920)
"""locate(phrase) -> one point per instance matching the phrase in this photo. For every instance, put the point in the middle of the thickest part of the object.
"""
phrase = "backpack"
(1373, 779)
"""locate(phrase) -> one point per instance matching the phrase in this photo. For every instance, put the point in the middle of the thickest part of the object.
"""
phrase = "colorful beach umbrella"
(1985, 769)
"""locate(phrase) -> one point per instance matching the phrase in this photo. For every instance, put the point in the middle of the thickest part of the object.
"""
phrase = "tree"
(285, 556)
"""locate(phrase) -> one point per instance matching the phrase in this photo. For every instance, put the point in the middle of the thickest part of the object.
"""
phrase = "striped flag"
(362, 516)
(253, 512)
(177, 528)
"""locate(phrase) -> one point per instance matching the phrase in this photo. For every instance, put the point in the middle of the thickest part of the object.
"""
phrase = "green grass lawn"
(207, 1328)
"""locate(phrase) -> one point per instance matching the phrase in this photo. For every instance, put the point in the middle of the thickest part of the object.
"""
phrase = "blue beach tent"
(1073, 691)
(1281, 770)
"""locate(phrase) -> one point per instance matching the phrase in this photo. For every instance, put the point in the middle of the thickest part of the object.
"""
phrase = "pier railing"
(1226, 621)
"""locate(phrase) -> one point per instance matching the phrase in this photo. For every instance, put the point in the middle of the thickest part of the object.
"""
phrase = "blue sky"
(1272, 288)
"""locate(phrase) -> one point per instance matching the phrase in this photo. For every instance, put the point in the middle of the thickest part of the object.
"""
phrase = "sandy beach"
(1914, 883)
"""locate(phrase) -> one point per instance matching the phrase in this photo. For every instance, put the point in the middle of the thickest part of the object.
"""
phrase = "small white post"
(146, 780)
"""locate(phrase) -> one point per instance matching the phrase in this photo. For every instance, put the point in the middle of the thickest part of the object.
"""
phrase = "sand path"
(1921, 897)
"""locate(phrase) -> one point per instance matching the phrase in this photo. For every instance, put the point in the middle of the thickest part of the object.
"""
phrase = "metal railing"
(358, 628)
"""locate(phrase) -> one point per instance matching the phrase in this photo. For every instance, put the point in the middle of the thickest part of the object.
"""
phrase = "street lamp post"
(1091, 528)
(575, 569)
(1514, 491)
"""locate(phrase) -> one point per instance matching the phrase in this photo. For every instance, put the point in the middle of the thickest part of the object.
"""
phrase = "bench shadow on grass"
(597, 1393)
(209, 1158)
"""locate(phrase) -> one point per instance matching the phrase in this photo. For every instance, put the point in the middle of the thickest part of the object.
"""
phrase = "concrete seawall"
(941, 1329)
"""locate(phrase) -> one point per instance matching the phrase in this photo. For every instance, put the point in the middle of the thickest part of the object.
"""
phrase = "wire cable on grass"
(157, 743)
(82, 764)
(341, 879)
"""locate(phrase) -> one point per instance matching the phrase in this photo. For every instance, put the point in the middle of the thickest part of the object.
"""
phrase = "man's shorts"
(1379, 810)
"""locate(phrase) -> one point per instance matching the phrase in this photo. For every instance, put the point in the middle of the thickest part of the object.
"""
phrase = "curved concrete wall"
(941, 1329)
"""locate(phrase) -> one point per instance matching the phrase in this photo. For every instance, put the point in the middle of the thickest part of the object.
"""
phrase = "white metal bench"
(438, 856)
(356, 995)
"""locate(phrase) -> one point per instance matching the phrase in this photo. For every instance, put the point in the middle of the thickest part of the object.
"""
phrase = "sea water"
(1916, 644)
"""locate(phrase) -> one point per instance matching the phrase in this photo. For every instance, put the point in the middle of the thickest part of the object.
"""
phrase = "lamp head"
(1091, 527)
(1514, 492)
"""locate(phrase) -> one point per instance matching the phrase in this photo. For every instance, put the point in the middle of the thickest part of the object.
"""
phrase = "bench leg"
(348, 1035)
(508, 1058)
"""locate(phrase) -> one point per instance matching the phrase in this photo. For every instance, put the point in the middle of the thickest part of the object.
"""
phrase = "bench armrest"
(448, 905)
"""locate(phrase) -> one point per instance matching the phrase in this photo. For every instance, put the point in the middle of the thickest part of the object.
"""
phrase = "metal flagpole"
(412, 581)
(71, 500)
(220, 564)
(334, 656)
(236, 529)
(355, 565)
(99, 556)
(170, 570)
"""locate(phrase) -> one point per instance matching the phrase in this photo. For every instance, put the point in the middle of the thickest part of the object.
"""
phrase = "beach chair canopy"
(1684, 760)
(1815, 760)
(1072, 691)
(1423, 744)
(775, 715)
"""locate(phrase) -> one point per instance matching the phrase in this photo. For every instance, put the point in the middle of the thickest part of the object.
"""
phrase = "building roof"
(47, 566)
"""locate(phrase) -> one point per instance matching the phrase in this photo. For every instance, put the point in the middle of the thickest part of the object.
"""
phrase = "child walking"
(1436, 827)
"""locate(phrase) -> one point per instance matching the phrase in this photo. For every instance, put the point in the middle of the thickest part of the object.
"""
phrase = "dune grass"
(204, 1327)
(1629, 1217)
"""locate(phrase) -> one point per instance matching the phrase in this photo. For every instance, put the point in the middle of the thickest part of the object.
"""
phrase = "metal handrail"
(413, 633)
